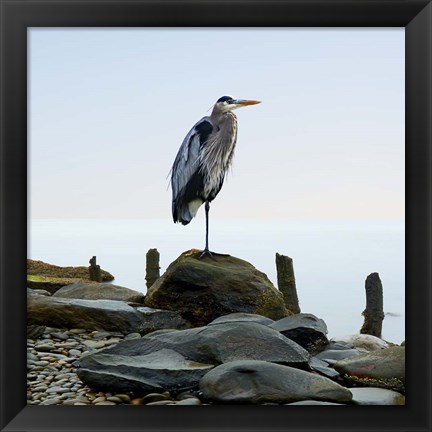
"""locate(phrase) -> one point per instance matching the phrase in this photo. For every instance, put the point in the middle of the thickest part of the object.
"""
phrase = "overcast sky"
(109, 108)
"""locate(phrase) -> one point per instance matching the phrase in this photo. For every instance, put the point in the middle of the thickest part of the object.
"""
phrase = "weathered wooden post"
(95, 270)
(374, 312)
(152, 267)
(286, 282)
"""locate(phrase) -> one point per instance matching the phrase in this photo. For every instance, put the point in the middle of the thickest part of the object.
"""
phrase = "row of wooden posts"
(373, 314)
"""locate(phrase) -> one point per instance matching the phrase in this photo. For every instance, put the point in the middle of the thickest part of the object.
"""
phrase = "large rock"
(204, 289)
(254, 382)
(383, 368)
(111, 315)
(305, 329)
(154, 372)
(218, 343)
(99, 291)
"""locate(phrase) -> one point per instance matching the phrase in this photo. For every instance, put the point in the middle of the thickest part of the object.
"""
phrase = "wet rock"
(111, 315)
(220, 343)
(254, 382)
(383, 368)
(99, 291)
(241, 316)
(364, 341)
(154, 372)
(376, 396)
(305, 329)
(205, 289)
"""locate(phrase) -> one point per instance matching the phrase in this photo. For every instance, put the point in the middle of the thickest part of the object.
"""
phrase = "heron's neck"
(220, 116)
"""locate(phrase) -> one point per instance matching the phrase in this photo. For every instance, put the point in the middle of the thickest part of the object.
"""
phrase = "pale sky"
(109, 108)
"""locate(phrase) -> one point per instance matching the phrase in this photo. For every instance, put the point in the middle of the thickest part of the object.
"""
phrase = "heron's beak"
(245, 102)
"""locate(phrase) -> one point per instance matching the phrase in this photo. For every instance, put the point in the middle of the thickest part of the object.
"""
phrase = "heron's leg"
(207, 209)
(206, 251)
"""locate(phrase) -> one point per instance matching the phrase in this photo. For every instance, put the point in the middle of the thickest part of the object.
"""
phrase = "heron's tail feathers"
(185, 212)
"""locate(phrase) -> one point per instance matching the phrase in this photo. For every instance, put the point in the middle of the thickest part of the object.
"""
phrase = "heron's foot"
(212, 255)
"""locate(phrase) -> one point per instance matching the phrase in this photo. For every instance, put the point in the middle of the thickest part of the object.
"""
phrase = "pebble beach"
(52, 362)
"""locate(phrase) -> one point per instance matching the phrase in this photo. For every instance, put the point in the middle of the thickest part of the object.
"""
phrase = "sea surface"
(331, 258)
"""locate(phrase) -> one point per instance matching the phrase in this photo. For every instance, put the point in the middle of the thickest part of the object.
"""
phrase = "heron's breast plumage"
(217, 153)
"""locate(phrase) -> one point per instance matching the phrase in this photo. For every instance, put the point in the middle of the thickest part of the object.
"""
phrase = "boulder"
(110, 315)
(376, 396)
(241, 316)
(154, 372)
(205, 289)
(255, 382)
(218, 343)
(384, 368)
(305, 329)
(99, 291)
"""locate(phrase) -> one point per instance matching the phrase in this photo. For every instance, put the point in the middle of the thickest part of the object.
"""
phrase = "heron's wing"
(186, 163)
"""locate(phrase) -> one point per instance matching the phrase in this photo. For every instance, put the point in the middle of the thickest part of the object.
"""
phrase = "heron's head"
(229, 103)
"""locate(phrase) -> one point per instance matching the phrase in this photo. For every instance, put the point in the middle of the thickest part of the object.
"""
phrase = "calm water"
(331, 259)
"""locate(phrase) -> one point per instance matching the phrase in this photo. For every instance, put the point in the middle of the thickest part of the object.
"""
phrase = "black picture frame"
(17, 16)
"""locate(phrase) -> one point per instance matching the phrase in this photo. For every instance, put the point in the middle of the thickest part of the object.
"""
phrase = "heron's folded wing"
(186, 163)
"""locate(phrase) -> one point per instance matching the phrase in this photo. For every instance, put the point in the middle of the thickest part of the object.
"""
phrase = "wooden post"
(94, 270)
(374, 312)
(152, 267)
(286, 282)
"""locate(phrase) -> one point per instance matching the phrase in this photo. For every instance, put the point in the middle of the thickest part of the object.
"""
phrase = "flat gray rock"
(376, 396)
(99, 291)
(110, 315)
(221, 343)
(256, 382)
(155, 372)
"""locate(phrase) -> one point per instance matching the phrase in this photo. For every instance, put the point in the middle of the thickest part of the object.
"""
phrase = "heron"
(202, 161)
